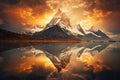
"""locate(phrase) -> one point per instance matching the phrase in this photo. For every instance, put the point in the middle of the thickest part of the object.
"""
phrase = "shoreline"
(53, 41)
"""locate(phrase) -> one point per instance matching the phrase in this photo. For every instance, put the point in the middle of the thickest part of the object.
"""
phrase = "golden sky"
(25, 14)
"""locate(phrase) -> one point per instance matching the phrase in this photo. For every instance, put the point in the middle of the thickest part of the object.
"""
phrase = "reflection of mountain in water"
(60, 54)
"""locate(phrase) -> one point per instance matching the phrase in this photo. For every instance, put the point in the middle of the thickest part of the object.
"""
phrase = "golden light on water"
(93, 61)
(44, 61)
(27, 64)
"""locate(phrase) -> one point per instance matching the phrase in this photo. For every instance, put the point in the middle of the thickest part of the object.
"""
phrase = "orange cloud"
(100, 14)
(95, 18)
(24, 16)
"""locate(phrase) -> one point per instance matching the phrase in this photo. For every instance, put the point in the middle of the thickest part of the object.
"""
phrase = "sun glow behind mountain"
(26, 17)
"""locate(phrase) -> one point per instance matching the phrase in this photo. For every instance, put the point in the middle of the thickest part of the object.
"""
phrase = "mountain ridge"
(63, 29)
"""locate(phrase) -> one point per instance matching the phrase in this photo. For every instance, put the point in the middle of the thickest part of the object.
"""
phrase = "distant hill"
(7, 35)
(11, 28)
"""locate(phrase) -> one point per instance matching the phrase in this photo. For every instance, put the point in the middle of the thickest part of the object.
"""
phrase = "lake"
(60, 61)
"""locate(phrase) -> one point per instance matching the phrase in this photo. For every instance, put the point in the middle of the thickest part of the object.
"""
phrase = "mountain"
(63, 22)
(61, 19)
(53, 32)
(60, 27)
(57, 27)
(95, 34)
(80, 29)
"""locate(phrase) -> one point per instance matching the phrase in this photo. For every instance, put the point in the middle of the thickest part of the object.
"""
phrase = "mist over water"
(60, 61)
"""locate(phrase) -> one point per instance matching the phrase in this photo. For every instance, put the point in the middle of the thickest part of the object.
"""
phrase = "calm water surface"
(60, 61)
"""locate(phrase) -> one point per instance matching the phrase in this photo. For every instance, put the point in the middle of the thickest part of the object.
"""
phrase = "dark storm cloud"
(34, 2)
(113, 22)
(106, 5)
(113, 5)
(38, 6)
(28, 3)
(11, 2)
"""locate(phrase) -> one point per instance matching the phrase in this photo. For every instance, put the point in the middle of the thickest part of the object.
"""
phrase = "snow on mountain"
(102, 34)
(36, 29)
(75, 31)
(93, 34)
(92, 31)
(63, 21)
(81, 29)
(59, 18)
(58, 27)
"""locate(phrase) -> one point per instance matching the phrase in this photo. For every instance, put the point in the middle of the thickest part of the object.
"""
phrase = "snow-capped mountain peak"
(61, 19)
